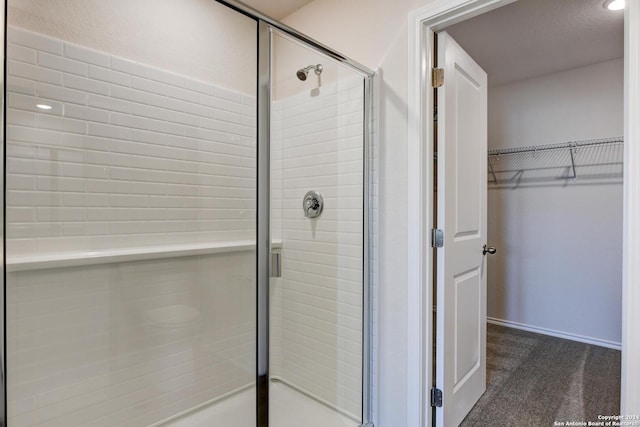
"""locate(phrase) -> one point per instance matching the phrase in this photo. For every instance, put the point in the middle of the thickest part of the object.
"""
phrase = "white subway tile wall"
(317, 304)
(128, 344)
(128, 155)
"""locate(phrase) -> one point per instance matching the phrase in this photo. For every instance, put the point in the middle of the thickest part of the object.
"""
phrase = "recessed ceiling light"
(614, 4)
(44, 106)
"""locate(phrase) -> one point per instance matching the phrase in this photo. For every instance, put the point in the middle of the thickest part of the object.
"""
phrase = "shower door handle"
(276, 264)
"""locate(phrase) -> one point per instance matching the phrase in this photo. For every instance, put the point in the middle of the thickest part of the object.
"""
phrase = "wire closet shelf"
(588, 159)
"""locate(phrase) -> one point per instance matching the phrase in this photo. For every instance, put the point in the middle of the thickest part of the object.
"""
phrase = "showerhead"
(303, 72)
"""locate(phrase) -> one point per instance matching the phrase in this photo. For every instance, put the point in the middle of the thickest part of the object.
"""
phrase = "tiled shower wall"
(318, 144)
(129, 155)
(128, 344)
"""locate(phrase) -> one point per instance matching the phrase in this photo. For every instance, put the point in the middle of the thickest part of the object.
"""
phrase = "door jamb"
(422, 25)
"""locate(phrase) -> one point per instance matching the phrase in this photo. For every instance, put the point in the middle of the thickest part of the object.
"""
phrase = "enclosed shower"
(186, 219)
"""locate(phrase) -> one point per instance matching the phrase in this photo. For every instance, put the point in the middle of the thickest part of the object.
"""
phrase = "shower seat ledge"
(110, 256)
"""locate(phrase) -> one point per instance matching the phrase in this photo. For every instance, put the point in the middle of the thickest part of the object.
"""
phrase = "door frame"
(422, 25)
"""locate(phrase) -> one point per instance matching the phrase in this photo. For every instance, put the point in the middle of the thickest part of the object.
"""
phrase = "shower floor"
(288, 409)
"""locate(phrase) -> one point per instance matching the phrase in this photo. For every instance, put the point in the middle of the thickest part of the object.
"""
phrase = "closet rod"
(560, 146)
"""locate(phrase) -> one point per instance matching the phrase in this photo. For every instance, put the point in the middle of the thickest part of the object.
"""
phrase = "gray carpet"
(535, 380)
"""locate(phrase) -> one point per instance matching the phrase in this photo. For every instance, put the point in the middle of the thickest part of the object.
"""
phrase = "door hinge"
(437, 238)
(437, 77)
(436, 397)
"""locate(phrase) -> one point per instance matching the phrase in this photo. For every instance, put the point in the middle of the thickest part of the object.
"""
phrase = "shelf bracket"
(573, 163)
(493, 173)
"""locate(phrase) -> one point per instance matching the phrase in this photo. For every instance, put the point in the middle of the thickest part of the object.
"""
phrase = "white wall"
(559, 107)
(374, 33)
(198, 38)
(558, 265)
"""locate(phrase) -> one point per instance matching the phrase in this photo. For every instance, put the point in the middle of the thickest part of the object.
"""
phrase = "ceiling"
(276, 9)
(531, 38)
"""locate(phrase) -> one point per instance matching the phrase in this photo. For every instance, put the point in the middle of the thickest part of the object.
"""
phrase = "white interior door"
(461, 332)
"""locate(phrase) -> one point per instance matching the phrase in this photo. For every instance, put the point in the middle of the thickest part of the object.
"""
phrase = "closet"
(555, 167)
(555, 203)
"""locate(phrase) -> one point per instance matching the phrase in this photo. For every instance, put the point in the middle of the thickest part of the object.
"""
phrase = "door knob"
(488, 250)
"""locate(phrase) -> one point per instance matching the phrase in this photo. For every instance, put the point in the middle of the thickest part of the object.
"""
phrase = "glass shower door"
(130, 213)
(318, 125)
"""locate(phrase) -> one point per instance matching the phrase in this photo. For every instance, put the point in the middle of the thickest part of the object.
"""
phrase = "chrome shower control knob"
(312, 204)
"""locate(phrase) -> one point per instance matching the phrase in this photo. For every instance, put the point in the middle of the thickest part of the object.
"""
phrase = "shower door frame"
(265, 52)
(263, 261)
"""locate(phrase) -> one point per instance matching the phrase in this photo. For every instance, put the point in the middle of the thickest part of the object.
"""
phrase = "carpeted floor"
(534, 380)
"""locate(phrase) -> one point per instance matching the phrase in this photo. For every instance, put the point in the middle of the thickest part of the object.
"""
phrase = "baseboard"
(557, 334)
